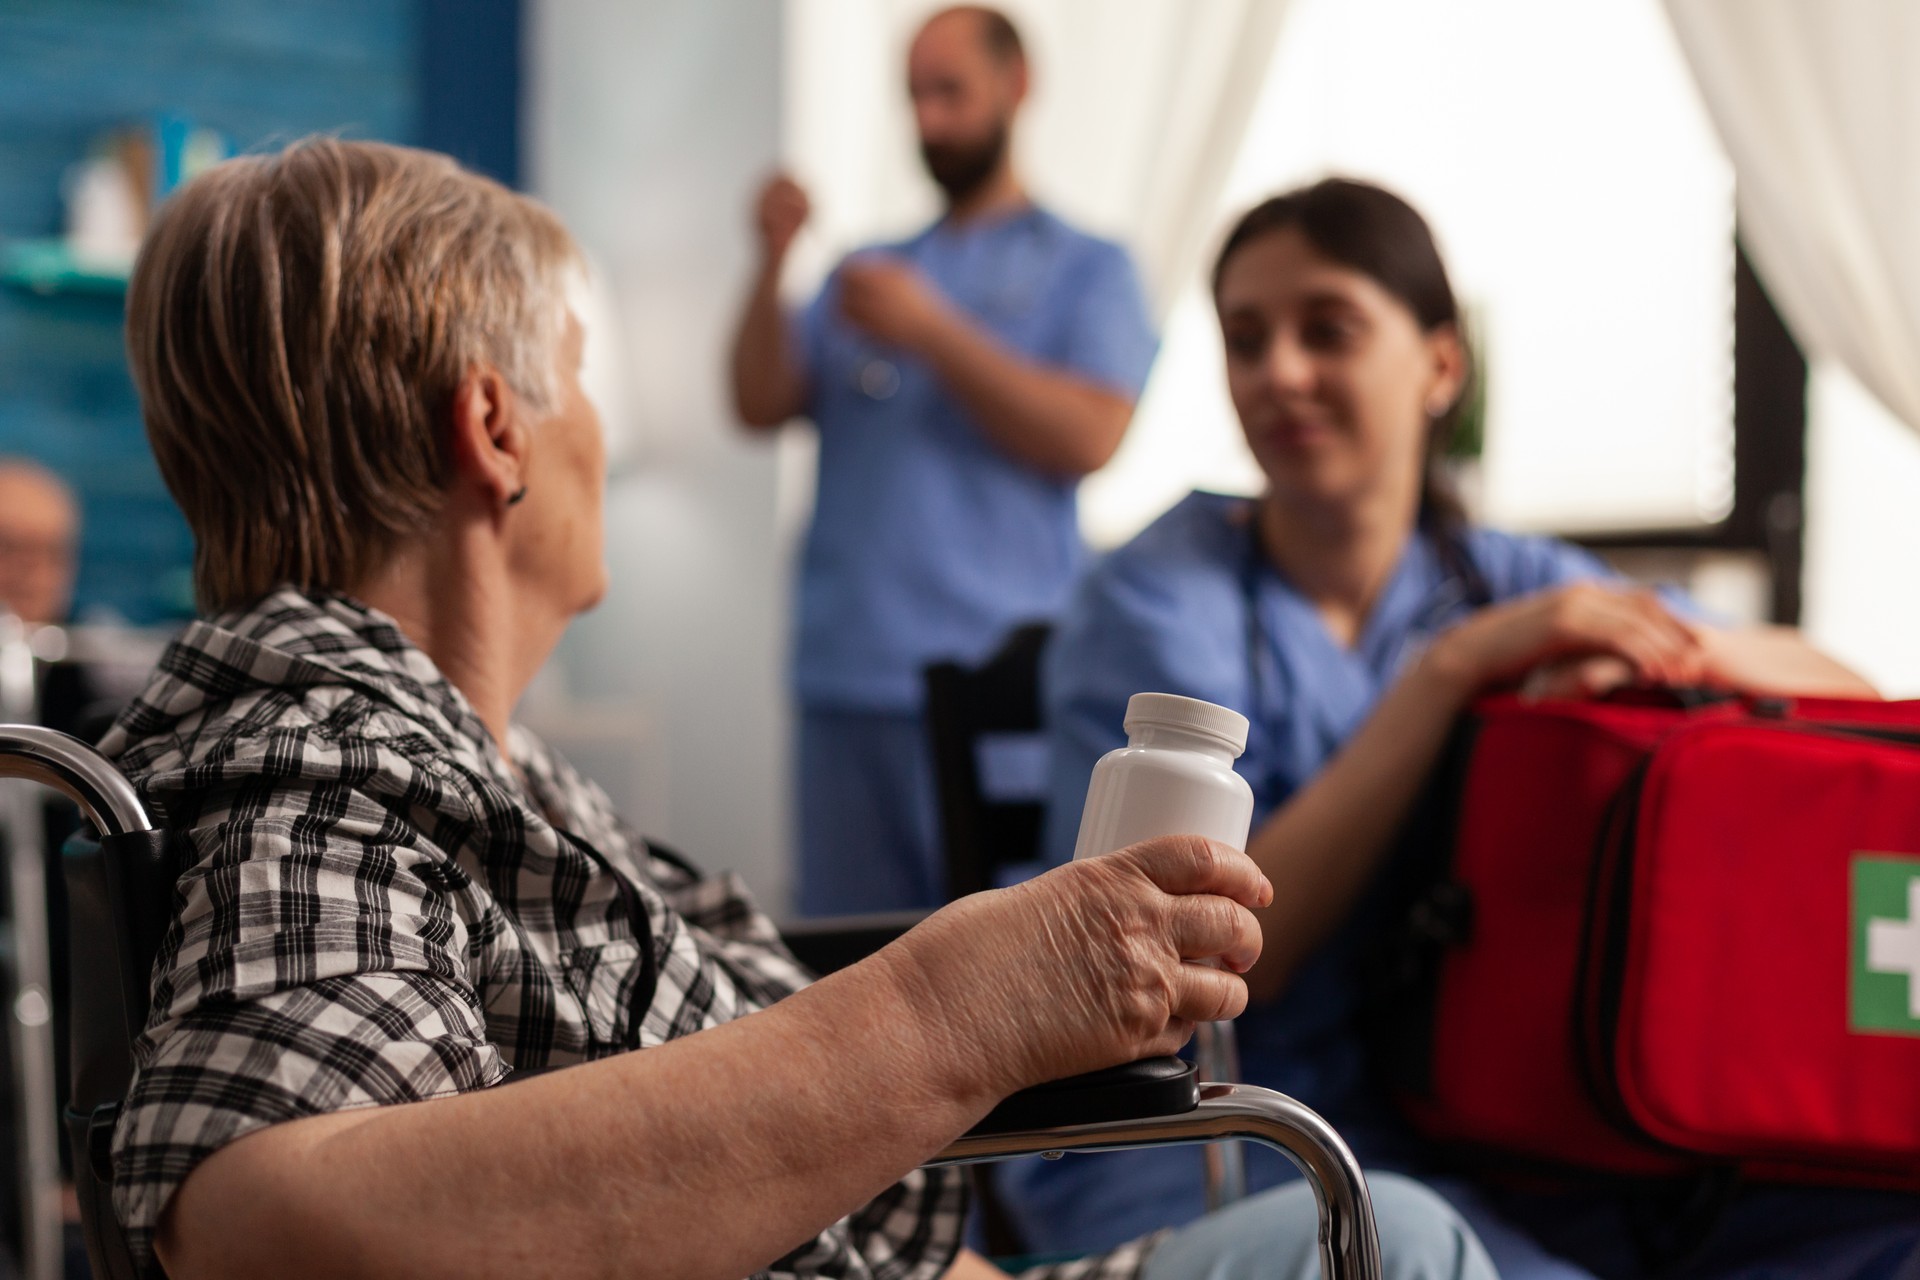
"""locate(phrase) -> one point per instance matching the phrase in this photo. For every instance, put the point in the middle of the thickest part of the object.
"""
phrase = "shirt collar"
(292, 639)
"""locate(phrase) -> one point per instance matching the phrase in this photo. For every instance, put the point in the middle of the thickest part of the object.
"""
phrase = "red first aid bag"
(1653, 936)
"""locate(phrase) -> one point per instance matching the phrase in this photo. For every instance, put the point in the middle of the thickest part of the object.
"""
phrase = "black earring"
(513, 499)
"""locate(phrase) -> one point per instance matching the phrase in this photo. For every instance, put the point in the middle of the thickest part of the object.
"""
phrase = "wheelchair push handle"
(77, 771)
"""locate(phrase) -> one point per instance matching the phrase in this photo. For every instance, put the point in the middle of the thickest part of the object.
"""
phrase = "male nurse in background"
(961, 382)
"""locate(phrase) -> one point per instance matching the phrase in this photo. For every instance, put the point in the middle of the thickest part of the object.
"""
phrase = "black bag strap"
(1429, 914)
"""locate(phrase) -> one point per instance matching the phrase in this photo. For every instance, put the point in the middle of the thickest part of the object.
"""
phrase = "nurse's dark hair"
(1376, 233)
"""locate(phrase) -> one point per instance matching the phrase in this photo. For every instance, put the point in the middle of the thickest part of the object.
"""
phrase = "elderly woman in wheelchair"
(360, 379)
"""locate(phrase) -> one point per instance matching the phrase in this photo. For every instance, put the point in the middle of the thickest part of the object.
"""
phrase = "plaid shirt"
(375, 908)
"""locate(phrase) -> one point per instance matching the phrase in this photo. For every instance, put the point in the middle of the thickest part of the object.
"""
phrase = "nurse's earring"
(513, 499)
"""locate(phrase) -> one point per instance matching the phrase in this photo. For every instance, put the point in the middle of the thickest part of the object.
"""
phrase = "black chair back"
(967, 708)
(120, 899)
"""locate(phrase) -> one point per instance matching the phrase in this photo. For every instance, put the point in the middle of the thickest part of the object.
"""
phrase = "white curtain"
(1137, 114)
(1818, 103)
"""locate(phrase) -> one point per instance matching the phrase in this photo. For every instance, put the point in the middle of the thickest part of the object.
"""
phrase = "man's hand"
(779, 214)
(888, 299)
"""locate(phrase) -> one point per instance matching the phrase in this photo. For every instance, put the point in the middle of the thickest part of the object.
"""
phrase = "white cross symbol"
(1893, 946)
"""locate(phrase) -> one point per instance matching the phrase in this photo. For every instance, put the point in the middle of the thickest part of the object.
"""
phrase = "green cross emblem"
(1884, 995)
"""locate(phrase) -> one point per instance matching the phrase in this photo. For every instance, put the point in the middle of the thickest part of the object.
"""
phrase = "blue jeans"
(1275, 1236)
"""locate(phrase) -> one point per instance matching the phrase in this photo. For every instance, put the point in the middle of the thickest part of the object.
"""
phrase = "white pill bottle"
(1174, 777)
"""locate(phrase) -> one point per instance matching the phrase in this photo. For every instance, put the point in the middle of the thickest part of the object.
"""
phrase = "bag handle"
(1681, 697)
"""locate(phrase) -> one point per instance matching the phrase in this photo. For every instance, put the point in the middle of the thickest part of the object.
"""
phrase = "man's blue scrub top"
(927, 541)
(1169, 612)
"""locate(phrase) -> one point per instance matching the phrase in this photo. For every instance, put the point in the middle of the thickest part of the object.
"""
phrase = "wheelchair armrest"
(832, 943)
(1349, 1240)
(1151, 1087)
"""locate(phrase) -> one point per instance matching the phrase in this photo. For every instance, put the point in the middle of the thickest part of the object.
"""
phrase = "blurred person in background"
(962, 382)
(39, 561)
(39, 541)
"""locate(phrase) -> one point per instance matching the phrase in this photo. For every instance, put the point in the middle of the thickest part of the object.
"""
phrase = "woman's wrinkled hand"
(1561, 627)
(1099, 962)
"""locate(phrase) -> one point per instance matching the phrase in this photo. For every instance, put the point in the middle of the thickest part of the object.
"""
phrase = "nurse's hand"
(887, 298)
(778, 215)
(1563, 627)
(1092, 964)
(1574, 678)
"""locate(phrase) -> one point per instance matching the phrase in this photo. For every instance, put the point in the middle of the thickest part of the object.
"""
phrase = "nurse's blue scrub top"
(928, 542)
(1169, 612)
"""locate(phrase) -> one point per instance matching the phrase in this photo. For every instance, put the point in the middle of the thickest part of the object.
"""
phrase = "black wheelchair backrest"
(120, 899)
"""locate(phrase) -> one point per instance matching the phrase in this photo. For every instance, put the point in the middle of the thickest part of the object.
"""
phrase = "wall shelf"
(48, 267)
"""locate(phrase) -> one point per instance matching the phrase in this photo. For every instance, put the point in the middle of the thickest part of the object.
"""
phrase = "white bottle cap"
(1175, 712)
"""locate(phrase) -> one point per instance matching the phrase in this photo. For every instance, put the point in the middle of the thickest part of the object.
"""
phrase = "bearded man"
(962, 382)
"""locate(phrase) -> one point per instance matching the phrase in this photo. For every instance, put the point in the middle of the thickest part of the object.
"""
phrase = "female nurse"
(1350, 612)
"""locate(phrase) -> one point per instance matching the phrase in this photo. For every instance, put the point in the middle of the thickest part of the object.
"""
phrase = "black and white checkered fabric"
(378, 908)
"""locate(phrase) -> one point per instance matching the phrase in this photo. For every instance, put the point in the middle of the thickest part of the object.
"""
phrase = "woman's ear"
(489, 436)
(1449, 354)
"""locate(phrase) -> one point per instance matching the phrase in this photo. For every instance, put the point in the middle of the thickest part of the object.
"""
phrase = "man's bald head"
(999, 39)
(967, 75)
(39, 531)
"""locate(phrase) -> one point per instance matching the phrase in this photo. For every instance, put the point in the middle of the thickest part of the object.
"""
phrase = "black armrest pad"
(1133, 1091)
(829, 945)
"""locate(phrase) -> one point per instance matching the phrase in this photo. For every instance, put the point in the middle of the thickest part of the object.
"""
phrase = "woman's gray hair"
(298, 324)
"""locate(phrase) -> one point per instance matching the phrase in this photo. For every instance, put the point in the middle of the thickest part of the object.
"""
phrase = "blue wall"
(470, 52)
(259, 71)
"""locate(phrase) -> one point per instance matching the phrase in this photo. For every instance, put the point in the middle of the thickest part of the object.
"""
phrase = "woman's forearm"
(715, 1154)
(709, 1156)
(1321, 847)
(1047, 418)
(1778, 660)
(1324, 844)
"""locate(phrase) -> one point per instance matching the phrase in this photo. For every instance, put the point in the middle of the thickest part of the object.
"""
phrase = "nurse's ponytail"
(1375, 232)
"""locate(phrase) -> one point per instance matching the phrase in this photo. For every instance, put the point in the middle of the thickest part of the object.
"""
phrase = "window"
(1586, 211)
(1863, 532)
